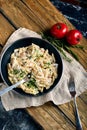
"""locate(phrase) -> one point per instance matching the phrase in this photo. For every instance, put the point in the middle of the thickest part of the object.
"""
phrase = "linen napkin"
(60, 94)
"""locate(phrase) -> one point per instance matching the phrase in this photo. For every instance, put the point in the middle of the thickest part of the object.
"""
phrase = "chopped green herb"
(32, 83)
(29, 57)
(22, 73)
(15, 71)
(47, 64)
(41, 55)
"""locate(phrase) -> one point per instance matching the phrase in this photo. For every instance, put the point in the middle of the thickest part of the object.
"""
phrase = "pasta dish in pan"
(37, 61)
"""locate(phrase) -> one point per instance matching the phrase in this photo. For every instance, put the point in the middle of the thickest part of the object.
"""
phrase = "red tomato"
(59, 30)
(73, 37)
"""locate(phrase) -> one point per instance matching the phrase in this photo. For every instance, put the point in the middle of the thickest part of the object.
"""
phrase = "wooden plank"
(39, 12)
(44, 13)
(47, 13)
(84, 97)
(50, 118)
(20, 15)
(5, 29)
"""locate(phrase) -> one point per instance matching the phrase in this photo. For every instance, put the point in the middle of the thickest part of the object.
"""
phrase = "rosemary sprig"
(71, 52)
(62, 44)
(79, 47)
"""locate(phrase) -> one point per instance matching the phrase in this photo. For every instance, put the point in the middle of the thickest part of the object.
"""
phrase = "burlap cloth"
(60, 94)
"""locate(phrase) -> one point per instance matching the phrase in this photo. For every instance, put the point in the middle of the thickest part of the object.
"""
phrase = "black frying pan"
(5, 59)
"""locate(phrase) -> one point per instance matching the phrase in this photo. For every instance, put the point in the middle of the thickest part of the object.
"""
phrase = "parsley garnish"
(32, 83)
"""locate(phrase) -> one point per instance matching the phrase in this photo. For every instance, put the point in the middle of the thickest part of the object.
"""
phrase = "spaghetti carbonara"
(37, 61)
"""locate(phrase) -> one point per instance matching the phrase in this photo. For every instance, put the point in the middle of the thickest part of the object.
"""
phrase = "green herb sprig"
(62, 45)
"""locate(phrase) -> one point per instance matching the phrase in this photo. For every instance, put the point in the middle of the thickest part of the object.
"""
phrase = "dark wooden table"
(40, 15)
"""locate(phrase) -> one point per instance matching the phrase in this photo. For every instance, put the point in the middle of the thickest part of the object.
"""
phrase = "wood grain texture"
(5, 29)
(50, 117)
(84, 97)
(20, 15)
(40, 15)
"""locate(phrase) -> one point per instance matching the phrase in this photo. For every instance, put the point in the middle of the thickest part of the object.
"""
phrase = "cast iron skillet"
(5, 59)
